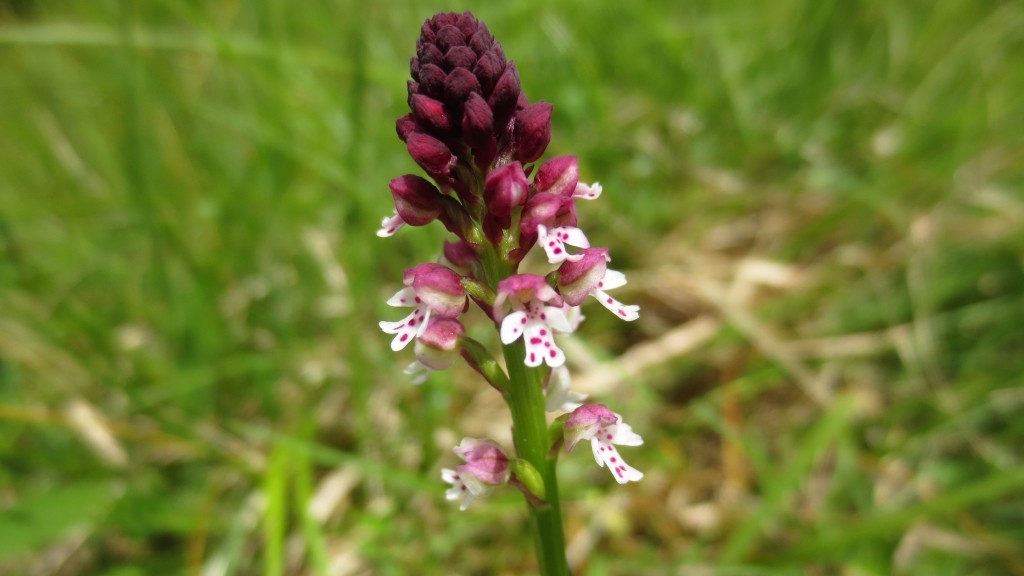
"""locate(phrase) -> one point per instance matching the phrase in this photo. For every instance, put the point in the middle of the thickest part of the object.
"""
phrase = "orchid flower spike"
(604, 429)
(536, 314)
(486, 466)
(429, 289)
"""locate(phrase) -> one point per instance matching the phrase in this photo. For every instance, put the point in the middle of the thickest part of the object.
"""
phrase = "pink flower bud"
(505, 189)
(437, 347)
(417, 201)
(429, 112)
(438, 287)
(532, 132)
(558, 176)
(430, 153)
(578, 279)
(485, 460)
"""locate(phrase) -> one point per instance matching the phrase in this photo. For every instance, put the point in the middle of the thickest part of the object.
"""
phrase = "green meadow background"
(818, 206)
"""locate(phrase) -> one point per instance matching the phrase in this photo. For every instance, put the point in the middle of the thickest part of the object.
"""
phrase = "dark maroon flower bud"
(432, 80)
(460, 57)
(430, 153)
(457, 86)
(488, 68)
(429, 112)
(477, 121)
(430, 54)
(506, 93)
(532, 132)
(449, 36)
(405, 126)
(481, 41)
(577, 279)
(417, 201)
(558, 176)
(505, 189)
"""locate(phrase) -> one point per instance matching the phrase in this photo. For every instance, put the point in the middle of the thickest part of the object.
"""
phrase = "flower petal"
(556, 319)
(512, 327)
(605, 453)
(403, 298)
(406, 329)
(612, 279)
(626, 312)
(389, 225)
(541, 347)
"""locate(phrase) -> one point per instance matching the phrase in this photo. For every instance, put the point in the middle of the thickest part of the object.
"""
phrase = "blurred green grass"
(188, 195)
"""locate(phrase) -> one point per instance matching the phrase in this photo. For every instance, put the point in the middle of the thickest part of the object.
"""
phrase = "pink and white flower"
(429, 289)
(536, 315)
(589, 275)
(486, 466)
(553, 241)
(604, 429)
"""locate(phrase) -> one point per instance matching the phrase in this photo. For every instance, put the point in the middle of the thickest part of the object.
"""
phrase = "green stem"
(525, 397)
(530, 433)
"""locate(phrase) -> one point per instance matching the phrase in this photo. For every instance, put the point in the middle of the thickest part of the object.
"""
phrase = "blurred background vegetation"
(818, 205)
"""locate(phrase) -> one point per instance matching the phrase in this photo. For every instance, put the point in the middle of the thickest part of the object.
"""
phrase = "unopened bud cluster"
(478, 138)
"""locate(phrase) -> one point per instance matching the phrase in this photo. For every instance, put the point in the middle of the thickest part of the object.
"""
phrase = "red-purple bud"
(405, 126)
(477, 121)
(532, 132)
(558, 176)
(488, 68)
(431, 79)
(417, 201)
(576, 280)
(460, 57)
(430, 113)
(505, 189)
(459, 83)
(505, 94)
(461, 254)
(430, 153)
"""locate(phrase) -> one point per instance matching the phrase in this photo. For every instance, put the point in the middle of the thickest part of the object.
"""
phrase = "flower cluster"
(478, 138)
